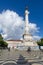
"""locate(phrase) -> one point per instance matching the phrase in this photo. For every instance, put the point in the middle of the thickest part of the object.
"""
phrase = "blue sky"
(34, 6)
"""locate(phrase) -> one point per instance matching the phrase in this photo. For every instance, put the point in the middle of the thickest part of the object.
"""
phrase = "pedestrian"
(9, 49)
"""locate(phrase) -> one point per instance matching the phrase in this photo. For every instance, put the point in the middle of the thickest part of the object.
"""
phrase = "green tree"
(1, 38)
(2, 42)
(40, 42)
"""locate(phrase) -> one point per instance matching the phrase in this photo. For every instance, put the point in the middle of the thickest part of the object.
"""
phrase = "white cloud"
(33, 28)
(11, 25)
(36, 37)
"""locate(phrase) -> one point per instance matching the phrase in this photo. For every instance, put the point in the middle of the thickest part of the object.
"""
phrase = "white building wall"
(14, 44)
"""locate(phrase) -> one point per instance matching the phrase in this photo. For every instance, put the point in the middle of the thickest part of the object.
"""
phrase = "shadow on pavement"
(20, 61)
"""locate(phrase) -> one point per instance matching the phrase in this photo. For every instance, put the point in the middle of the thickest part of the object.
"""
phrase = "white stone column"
(26, 22)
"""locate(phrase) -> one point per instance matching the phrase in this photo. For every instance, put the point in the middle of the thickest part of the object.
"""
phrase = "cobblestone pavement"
(15, 57)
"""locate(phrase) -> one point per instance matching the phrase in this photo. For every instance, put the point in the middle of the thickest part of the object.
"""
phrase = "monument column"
(27, 37)
(26, 22)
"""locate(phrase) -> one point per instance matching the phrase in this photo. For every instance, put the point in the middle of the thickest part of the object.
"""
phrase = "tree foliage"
(2, 42)
(40, 42)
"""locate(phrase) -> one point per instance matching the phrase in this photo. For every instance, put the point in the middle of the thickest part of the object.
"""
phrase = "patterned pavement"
(15, 57)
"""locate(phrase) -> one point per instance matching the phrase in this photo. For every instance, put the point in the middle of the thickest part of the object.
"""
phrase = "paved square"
(21, 57)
